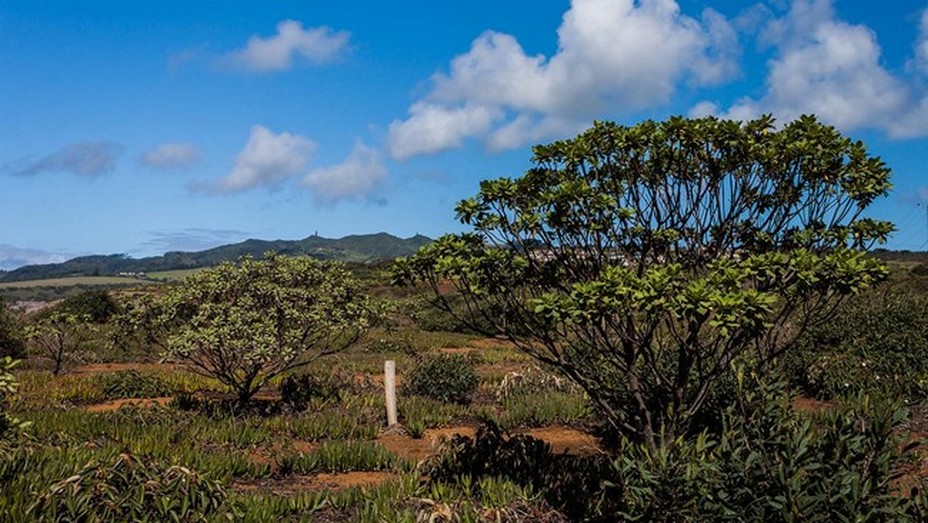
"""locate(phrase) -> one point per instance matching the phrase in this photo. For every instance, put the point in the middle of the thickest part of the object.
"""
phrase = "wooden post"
(389, 384)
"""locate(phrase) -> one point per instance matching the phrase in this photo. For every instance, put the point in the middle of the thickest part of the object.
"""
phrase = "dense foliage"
(96, 305)
(642, 261)
(444, 377)
(129, 488)
(246, 323)
(11, 335)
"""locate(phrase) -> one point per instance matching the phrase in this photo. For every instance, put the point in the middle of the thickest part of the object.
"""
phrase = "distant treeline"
(901, 256)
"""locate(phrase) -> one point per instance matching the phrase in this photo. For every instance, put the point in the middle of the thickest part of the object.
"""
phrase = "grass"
(74, 280)
(171, 276)
(338, 435)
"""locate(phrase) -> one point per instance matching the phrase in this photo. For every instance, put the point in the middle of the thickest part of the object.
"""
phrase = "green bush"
(444, 377)
(133, 384)
(96, 305)
(574, 485)
(769, 463)
(876, 343)
(764, 462)
(298, 390)
(129, 488)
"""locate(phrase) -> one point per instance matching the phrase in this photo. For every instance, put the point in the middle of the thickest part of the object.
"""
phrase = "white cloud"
(827, 67)
(171, 156)
(12, 257)
(267, 159)
(613, 55)
(87, 159)
(704, 108)
(355, 177)
(316, 45)
(831, 68)
(434, 127)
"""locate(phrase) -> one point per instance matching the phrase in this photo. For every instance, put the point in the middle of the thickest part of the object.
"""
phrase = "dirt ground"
(110, 406)
(316, 482)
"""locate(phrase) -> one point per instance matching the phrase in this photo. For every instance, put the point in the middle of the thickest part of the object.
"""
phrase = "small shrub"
(448, 378)
(133, 384)
(129, 488)
(297, 391)
(96, 305)
(571, 484)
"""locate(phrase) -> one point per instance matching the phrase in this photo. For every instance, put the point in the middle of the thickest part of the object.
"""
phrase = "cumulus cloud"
(434, 127)
(86, 159)
(192, 239)
(828, 67)
(355, 177)
(267, 160)
(171, 156)
(12, 257)
(315, 45)
(613, 55)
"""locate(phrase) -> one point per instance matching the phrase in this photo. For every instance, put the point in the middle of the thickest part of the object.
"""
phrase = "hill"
(356, 248)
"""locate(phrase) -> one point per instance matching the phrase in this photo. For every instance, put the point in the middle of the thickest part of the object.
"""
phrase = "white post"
(389, 383)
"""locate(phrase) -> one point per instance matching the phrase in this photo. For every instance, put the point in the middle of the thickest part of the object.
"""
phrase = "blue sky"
(142, 127)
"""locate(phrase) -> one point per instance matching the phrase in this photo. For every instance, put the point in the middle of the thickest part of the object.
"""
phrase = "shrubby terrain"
(676, 321)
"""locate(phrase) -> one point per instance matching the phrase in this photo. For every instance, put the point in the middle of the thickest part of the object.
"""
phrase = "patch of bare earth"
(419, 449)
(110, 406)
(565, 440)
(491, 343)
(324, 481)
(373, 380)
(810, 405)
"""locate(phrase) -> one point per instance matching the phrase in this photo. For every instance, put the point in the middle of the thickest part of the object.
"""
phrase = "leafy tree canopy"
(642, 261)
(248, 322)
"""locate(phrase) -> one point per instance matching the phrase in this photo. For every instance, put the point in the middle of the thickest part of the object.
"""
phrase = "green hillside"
(356, 248)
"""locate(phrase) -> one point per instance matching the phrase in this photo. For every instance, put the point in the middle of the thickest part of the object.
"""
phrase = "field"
(169, 276)
(74, 281)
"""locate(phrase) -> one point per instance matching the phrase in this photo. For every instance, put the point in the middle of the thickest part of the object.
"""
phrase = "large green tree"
(643, 261)
(246, 323)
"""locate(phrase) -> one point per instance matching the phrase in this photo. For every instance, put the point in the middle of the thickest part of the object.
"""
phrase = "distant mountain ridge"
(354, 248)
